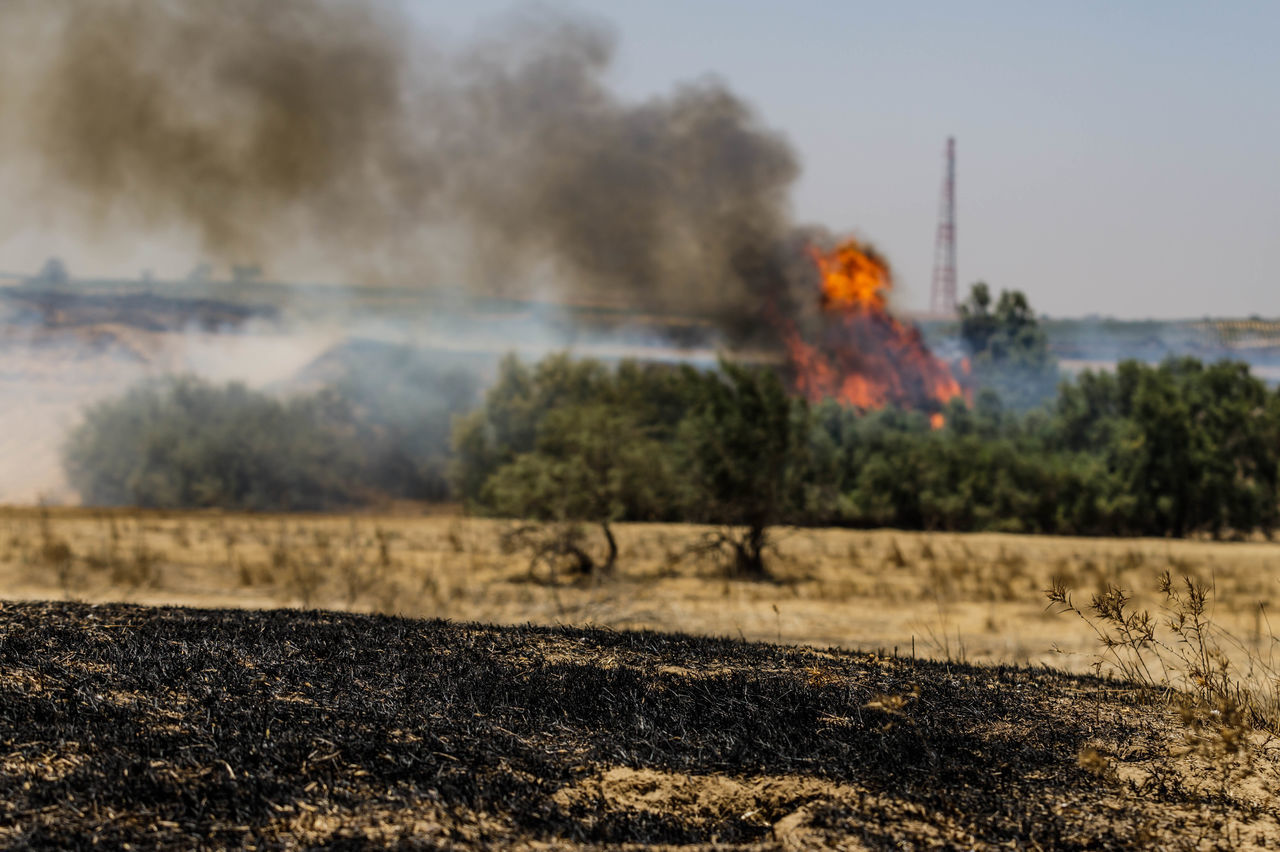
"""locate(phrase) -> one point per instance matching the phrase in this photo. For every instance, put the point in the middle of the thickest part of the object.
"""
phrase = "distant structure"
(942, 302)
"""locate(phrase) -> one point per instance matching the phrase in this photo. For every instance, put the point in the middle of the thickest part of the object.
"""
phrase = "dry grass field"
(977, 598)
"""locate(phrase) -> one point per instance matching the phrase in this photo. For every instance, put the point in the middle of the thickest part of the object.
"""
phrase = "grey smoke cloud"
(340, 127)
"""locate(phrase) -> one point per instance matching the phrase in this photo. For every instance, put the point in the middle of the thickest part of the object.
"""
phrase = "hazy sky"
(1113, 158)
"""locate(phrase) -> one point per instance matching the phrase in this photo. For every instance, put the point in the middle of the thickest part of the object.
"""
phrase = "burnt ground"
(181, 728)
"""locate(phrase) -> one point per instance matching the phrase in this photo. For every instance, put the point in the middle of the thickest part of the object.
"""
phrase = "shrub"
(185, 443)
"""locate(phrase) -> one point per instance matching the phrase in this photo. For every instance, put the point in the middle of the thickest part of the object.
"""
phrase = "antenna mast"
(943, 299)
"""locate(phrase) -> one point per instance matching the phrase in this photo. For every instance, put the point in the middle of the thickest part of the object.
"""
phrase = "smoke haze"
(339, 133)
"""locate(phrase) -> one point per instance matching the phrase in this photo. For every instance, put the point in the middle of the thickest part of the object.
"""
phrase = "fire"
(866, 358)
(852, 280)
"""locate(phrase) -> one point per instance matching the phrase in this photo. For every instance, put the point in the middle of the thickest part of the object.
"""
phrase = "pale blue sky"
(1114, 158)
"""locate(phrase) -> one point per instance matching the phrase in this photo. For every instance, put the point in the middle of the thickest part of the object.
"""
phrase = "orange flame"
(852, 280)
(866, 358)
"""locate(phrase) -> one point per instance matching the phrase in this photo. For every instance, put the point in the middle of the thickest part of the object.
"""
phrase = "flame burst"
(866, 358)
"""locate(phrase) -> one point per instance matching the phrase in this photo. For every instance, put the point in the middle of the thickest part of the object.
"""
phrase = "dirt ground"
(977, 598)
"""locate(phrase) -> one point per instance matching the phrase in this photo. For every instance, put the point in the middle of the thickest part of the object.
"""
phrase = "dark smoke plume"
(338, 127)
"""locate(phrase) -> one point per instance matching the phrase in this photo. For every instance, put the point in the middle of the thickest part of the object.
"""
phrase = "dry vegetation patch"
(978, 597)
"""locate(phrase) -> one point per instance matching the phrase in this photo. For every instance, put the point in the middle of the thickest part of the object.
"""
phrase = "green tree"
(1190, 448)
(593, 463)
(514, 407)
(185, 443)
(1178, 449)
(744, 446)
(1007, 348)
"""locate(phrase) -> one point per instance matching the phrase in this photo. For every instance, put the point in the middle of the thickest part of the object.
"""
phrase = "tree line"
(1174, 449)
(378, 427)
(1169, 450)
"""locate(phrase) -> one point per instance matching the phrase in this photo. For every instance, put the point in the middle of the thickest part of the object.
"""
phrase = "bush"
(185, 443)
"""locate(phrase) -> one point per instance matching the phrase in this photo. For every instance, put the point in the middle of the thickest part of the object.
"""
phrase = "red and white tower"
(943, 299)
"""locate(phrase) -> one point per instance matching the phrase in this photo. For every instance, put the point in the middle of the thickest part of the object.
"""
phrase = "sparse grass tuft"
(1180, 652)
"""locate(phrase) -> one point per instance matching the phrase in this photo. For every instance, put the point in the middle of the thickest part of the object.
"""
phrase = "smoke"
(340, 132)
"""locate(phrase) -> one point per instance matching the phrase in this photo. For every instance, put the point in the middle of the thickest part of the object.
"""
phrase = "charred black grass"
(177, 728)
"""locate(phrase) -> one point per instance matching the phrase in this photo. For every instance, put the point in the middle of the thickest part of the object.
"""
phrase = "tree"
(185, 443)
(743, 445)
(1184, 448)
(593, 464)
(1007, 348)
(514, 408)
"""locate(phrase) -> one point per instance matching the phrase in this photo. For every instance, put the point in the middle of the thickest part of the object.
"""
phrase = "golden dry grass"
(974, 597)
